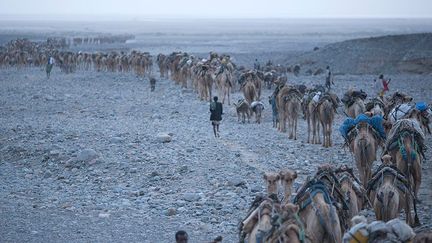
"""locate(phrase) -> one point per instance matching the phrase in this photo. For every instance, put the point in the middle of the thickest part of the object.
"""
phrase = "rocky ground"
(83, 158)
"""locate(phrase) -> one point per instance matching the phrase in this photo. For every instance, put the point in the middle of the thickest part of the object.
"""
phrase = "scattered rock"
(171, 212)
(86, 155)
(236, 181)
(104, 215)
(191, 197)
(163, 138)
(116, 140)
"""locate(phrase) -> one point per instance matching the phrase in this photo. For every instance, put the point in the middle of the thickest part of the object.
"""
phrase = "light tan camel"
(364, 146)
(224, 81)
(408, 152)
(259, 221)
(353, 191)
(313, 123)
(249, 92)
(287, 178)
(205, 83)
(388, 198)
(317, 208)
(281, 100)
(326, 117)
(271, 180)
(321, 211)
(410, 164)
(293, 110)
(288, 229)
(357, 108)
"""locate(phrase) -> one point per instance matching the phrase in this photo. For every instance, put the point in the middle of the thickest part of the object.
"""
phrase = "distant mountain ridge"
(409, 53)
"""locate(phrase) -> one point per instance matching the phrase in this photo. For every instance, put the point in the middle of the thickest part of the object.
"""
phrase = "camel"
(224, 81)
(249, 92)
(376, 106)
(288, 104)
(287, 178)
(405, 144)
(312, 120)
(205, 82)
(353, 191)
(287, 227)
(271, 180)
(326, 117)
(293, 109)
(317, 208)
(363, 143)
(423, 237)
(161, 61)
(357, 108)
(243, 110)
(263, 225)
(389, 192)
(275, 117)
(261, 212)
(330, 230)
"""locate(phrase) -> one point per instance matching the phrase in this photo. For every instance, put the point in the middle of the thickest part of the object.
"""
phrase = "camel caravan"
(328, 206)
(23, 53)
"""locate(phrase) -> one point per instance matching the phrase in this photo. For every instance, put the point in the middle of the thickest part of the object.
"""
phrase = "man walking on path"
(329, 79)
(216, 111)
(152, 84)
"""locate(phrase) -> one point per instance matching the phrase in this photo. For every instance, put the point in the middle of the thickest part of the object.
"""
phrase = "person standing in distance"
(216, 111)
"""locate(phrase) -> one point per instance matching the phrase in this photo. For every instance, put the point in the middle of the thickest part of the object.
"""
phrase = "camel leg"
(324, 132)
(295, 129)
(417, 176)
(407, 209)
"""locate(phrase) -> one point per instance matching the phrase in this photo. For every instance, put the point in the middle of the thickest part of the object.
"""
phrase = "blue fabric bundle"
(421, 106)
(346, 126)
(375, 122)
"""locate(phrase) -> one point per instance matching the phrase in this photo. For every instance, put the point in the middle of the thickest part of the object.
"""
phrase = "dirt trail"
(247, 157)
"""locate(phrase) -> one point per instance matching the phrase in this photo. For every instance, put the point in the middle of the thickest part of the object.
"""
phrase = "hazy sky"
(222, 8)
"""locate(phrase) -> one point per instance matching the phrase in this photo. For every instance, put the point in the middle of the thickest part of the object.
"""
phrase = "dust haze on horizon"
(136, 9)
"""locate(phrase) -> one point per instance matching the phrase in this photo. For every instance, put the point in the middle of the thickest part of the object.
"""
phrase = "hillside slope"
(410, 53)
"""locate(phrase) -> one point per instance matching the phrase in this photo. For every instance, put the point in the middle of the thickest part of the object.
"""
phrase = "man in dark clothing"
(152, 84)
(329, 78)
(181, 236)
(216, 115)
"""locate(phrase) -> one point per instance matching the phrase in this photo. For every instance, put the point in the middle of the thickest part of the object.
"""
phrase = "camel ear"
(295, 175)
(265, 176)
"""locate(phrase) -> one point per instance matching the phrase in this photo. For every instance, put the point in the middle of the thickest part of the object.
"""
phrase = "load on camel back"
(354, 102)
(348, 131)
(419, 110)
(378, 231)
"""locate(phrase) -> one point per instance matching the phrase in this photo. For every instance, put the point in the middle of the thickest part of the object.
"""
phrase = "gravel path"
(81, 159)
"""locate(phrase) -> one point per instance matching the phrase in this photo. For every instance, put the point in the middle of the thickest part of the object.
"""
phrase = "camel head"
(358, 219)
(386, 159)
(291, 231)
(287, 178)
(289, 210)
(271, 179)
